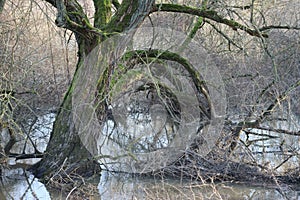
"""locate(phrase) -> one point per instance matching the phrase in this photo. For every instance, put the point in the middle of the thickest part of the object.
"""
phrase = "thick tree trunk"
(65, 153)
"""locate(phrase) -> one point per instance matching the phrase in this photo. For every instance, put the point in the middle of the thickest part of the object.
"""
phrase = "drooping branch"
(208, 14)
(167, 55)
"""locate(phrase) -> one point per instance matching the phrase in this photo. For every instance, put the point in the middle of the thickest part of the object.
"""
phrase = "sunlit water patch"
(18, 184)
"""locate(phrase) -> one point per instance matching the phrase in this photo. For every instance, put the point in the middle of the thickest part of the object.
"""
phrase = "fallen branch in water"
(25, 156)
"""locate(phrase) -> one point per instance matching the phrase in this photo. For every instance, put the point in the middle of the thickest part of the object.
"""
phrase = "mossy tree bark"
(65, 153)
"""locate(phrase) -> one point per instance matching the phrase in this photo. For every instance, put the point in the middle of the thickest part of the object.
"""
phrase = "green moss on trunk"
(121, 20)
(65, 150)
(102, 12)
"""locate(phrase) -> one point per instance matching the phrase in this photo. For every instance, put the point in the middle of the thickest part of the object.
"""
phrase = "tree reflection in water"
(19, 184)
(124, 186)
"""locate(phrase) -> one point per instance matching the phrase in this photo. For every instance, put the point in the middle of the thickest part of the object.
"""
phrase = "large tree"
(226, 25)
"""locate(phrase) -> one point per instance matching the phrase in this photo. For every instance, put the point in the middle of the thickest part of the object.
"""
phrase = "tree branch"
(278, 27)
(297, 133)
(230, 41)
(208, 14)
(25, 156)
(71, 16)
(196, 77)
(277, 101)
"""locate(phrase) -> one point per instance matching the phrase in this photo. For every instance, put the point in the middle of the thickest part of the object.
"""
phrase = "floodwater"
(20, 184)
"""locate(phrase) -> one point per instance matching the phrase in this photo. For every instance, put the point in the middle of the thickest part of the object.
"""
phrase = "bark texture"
(65, 153)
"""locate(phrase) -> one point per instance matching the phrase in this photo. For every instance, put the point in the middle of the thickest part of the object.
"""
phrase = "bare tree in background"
(31, 83)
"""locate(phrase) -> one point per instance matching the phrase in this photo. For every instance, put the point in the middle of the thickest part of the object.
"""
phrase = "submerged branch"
(297, 133)
(25, 156)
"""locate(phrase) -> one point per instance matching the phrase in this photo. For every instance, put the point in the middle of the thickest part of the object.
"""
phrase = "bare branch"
(199, 24)
(277, 101)
(241, 7)
(278, 27)
(251, 11)
(230, 41)
(11, 141)
(209, 14)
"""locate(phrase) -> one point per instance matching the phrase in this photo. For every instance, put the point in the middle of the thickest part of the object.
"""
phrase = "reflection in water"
(21, 185)
(125, 186)
(18, 184)
(150, 122)
(146, 119)
(277, 151)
